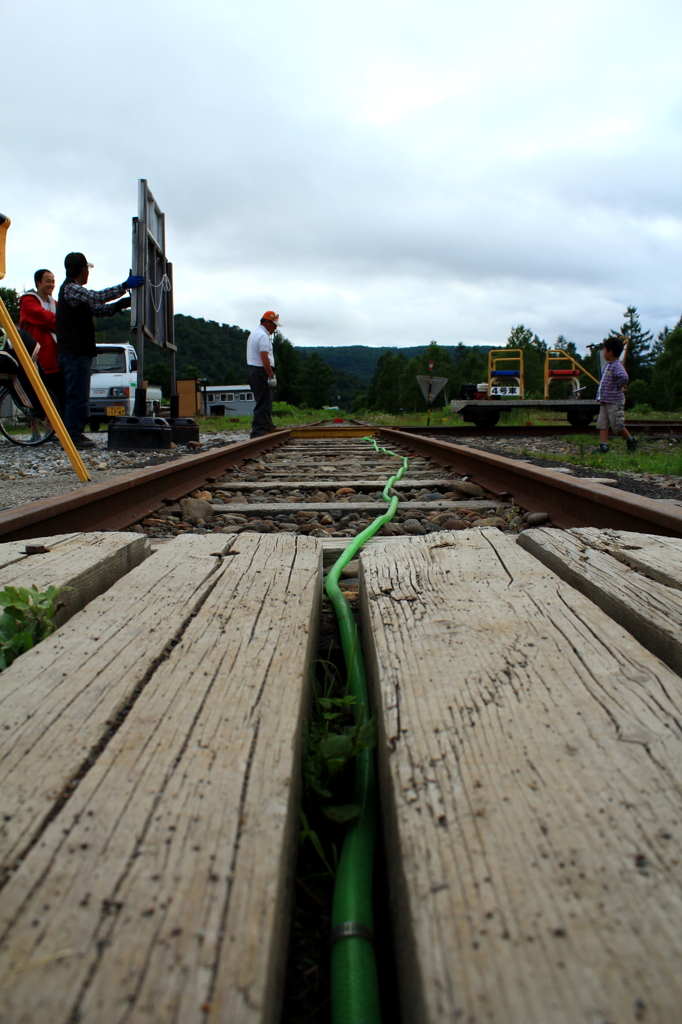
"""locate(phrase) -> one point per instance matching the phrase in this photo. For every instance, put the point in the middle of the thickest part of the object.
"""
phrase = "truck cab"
(113, 383)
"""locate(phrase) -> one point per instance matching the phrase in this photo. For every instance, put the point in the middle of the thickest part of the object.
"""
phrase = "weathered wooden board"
(158, 893)
(657, 557)
(85, 564)
(649, 610)
(58, 701)
(530, 758)
(406, 484)
(333, 547)
(15, 550)
(373, 508)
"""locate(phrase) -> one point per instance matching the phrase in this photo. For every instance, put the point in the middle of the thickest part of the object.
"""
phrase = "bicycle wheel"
(24, 426)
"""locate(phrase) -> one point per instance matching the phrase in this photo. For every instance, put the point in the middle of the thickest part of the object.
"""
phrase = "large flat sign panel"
(151, 312)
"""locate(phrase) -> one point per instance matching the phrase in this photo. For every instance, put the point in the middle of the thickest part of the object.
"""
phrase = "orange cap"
(271, 315)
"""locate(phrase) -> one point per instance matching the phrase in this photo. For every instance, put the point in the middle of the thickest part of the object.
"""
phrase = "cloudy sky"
(378, 171)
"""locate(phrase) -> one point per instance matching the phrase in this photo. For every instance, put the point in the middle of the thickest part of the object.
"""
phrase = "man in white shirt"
(261, 372)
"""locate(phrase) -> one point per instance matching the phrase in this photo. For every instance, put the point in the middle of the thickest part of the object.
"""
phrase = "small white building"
(227, 400)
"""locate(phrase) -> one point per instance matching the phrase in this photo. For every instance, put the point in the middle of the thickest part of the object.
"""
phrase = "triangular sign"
(437, 385)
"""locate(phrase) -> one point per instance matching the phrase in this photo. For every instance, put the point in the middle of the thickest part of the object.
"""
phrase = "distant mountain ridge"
(362, 360)
(217, 353)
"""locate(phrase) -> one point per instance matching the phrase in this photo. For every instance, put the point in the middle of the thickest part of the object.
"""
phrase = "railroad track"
(270, 481)
(151, 746)
(657, 428)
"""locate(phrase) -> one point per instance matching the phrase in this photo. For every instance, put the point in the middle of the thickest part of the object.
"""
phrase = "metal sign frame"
(151, 310)
(430, 387)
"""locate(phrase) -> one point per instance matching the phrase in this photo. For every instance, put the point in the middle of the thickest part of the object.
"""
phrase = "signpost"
(430, 387)
(151, 310)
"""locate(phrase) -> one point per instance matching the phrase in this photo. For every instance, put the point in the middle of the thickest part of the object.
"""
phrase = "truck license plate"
(116, 410)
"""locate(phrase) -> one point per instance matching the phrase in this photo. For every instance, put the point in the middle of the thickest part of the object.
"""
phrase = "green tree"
(158, 374)
(638, 393)
(10, 297)
(667, 372)
(387, 390)
(639, 361)
(317, 381)
(347, 386)
(288, 369)
(566, 346)
(534, 351)
(658, 346)
(412, 396)
(470, 367)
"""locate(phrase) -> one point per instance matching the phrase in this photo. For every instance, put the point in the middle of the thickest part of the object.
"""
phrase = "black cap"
(74, 262)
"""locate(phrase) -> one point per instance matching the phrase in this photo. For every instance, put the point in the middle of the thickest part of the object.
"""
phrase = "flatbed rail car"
(486, 412)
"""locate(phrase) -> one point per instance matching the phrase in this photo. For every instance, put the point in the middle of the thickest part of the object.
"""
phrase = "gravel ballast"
(30, 474)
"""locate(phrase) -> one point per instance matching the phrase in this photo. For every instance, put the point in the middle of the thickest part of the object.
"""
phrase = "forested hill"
(216, 352)
(205, 348)
(362, 360)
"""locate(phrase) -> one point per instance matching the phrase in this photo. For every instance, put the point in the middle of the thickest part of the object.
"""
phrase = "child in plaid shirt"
(610, 395)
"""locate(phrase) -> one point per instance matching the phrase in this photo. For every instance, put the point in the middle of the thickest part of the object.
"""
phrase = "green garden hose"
(354, 985)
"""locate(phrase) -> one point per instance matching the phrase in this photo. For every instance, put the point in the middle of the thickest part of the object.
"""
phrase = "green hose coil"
(354, 983)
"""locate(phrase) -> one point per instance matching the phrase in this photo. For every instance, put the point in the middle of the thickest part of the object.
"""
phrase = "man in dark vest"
(76, 337)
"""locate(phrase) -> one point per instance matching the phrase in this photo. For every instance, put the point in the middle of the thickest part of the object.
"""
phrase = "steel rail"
(570, 501)
(124, 500)
(672, 427)
(327, 428)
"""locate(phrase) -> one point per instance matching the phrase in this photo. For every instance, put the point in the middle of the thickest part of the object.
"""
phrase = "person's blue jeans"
(76, 370)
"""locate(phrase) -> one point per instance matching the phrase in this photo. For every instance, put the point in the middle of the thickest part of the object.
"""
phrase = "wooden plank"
(530, 762)
(649, 610)
(274, 483)
(161, 885)
(59, 701)
(85, 563)
(657, 557)
(15, 550)
(374, 508)
(328, 432)
(333, 547)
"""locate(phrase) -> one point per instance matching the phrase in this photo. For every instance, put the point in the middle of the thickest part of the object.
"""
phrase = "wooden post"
(140, 408)
(170, 336)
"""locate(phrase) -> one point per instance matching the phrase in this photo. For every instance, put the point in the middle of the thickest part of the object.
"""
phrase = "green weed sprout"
(27, 618)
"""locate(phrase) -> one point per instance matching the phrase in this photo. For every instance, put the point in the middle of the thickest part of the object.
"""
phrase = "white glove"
(272, 381)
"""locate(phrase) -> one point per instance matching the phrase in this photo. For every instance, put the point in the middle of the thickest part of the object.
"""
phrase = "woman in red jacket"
(37, 312)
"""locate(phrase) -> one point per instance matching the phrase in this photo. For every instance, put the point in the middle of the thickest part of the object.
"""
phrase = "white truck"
(113, 384)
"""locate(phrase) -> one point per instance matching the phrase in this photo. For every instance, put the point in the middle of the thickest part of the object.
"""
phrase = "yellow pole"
(31, 372)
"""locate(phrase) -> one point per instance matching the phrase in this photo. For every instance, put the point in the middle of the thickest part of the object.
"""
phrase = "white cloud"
(380, 172)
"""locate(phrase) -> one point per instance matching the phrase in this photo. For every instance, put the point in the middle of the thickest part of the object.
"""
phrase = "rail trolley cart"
(564, 373)
(505, 382)
(483, 404)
